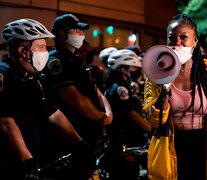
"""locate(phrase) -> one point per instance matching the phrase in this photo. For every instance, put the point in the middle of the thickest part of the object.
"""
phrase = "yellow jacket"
(151, 93)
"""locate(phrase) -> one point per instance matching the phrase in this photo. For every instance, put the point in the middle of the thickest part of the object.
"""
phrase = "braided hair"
(198, 70)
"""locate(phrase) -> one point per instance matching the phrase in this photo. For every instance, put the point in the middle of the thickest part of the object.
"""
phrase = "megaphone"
(161, 64)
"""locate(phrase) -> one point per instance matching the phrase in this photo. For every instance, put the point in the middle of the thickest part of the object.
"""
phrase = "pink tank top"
(180, 102)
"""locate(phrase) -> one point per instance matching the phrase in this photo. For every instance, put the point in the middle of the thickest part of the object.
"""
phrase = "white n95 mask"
(75, 40)
(40, 59)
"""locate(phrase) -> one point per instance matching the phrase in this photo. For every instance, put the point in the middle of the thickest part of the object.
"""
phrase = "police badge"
(54, 66)
(123, 93)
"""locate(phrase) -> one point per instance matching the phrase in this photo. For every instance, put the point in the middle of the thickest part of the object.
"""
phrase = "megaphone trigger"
(161, 64)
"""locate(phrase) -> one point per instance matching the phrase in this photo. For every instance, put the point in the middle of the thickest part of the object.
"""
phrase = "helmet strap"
(28, 52)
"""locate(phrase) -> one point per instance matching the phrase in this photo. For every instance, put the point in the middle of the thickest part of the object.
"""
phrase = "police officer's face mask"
(39, 59)
(75, 40)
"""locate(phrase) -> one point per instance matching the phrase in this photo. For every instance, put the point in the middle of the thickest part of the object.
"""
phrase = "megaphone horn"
(161, 64)
(165, 61)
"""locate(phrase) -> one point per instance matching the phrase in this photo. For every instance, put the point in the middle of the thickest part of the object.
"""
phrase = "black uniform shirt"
(22, 99)
(67, 69)
(122, 101)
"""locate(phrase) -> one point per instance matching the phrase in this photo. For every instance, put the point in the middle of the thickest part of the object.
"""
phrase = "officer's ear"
(63, 35)
(22, 51)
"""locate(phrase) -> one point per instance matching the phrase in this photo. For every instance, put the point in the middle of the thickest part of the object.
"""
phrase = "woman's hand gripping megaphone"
(162, 100)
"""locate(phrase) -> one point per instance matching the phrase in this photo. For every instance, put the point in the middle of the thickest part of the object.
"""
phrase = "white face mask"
(75, 40)
(184, 53)
(40, 59)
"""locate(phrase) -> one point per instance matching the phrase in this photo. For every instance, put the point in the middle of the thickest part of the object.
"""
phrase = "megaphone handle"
(160, 100)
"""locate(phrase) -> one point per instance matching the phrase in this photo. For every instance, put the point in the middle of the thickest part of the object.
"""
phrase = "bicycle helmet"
(24, 29)
(123, 57)
(104, 54)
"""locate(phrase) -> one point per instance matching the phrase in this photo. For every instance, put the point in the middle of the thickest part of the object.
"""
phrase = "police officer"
(138, 77)
(128, 126)
(25, 110)
(103, 57)
(104, 54)
(73, 88)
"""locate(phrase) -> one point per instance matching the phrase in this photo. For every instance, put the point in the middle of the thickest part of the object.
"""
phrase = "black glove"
(101, 146)
(30, 170)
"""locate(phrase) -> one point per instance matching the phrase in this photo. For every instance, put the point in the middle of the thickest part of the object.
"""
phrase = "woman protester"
(185, 103)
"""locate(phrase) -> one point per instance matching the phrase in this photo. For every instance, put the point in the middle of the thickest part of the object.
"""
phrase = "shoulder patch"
(54, 66)
(123, 93)
(1, 82)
